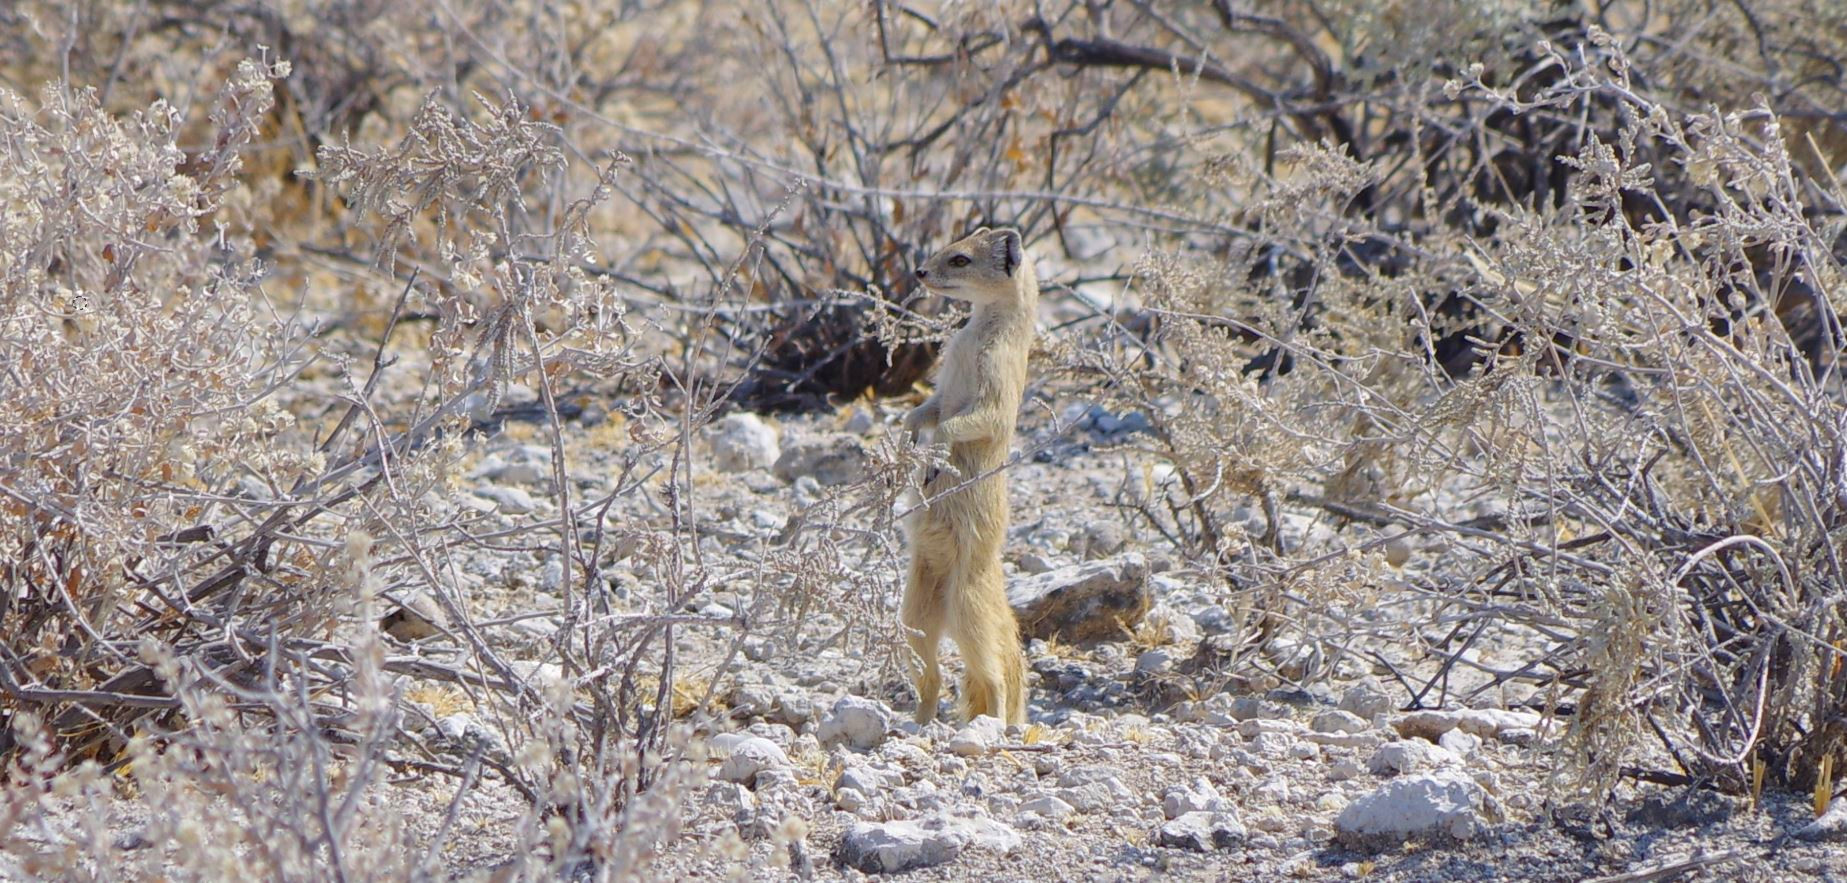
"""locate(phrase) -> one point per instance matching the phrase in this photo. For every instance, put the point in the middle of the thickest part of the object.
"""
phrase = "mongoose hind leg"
(994, 679)
(922, 615)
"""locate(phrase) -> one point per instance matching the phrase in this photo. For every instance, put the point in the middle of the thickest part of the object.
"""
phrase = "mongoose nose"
(921, 272)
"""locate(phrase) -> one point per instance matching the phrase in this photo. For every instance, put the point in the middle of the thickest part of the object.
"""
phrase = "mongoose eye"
(960, 260)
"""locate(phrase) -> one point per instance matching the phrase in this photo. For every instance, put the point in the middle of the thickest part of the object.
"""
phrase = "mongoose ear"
(1006, 244)
(980, 231)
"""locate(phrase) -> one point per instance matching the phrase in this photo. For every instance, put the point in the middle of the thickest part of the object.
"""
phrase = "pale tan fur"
(955, 584)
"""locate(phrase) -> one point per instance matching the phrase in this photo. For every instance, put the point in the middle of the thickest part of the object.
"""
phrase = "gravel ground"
(1143, 757)
(1127, 770)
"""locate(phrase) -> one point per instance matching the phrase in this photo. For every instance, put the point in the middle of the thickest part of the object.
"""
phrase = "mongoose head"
(982, 267)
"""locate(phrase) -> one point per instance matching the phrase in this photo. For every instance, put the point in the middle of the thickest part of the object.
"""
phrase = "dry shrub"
(1543, 309)
(194, 588)
(138, 405)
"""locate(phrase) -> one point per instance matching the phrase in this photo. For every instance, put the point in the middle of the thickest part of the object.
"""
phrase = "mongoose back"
(955, 583)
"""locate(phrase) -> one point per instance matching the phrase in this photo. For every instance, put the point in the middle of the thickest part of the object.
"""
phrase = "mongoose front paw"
(920, 418)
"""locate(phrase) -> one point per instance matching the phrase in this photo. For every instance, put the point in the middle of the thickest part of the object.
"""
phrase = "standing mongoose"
(955, 582)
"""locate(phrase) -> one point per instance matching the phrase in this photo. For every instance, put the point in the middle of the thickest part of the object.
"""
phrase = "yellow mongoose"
(955, 582)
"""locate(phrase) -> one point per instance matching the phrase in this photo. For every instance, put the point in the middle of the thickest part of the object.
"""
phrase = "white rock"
(750, 756)
(1254, 727)
(510, 500)
(783, 736)
(1272, 790)
(910, 754)
(526, 464)
(1103, 539)
(1175, 627)
(1487, 723)
(850, 799)
(793, 707)
(1050, 807)
(1033, 562)
(1097, 774)
(889, 847)
(979, 736)
(1366, 700)
(742, 442)
(1410, 756)
(1094, 601)
(839, 460)
(1201, 796)
(1247, 708)
(1518, 736)
(1274, 744)
(1270, 819)
(1094, 788)
(1347, 740)
(861, 723)
(1203, 831)
(721, 745)
(752, 700)
(539, 673)
(1154, 662)
(463, 731)
(922, 795)
(732, 800)
(1491, 722)
(1090, 798)
(1338, 721)
(1460, 743)
(867, 780)
(766, 520)
(1445, 804)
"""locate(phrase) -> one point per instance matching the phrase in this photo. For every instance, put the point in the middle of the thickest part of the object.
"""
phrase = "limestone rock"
(978, 737)
(742, 442)
(1368, 700)
(861, 723)
(1203, 831)
(1335, 720)
(1410, 756)
(1201, 796)
(746, 757)
(1441, 805)
(838, 460)
(1049, 807)
(1096, 600)
(1484, 722)
(889, 847)
(510, 500)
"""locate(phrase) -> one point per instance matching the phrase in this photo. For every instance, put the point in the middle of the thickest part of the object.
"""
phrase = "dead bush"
(1553, 309)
